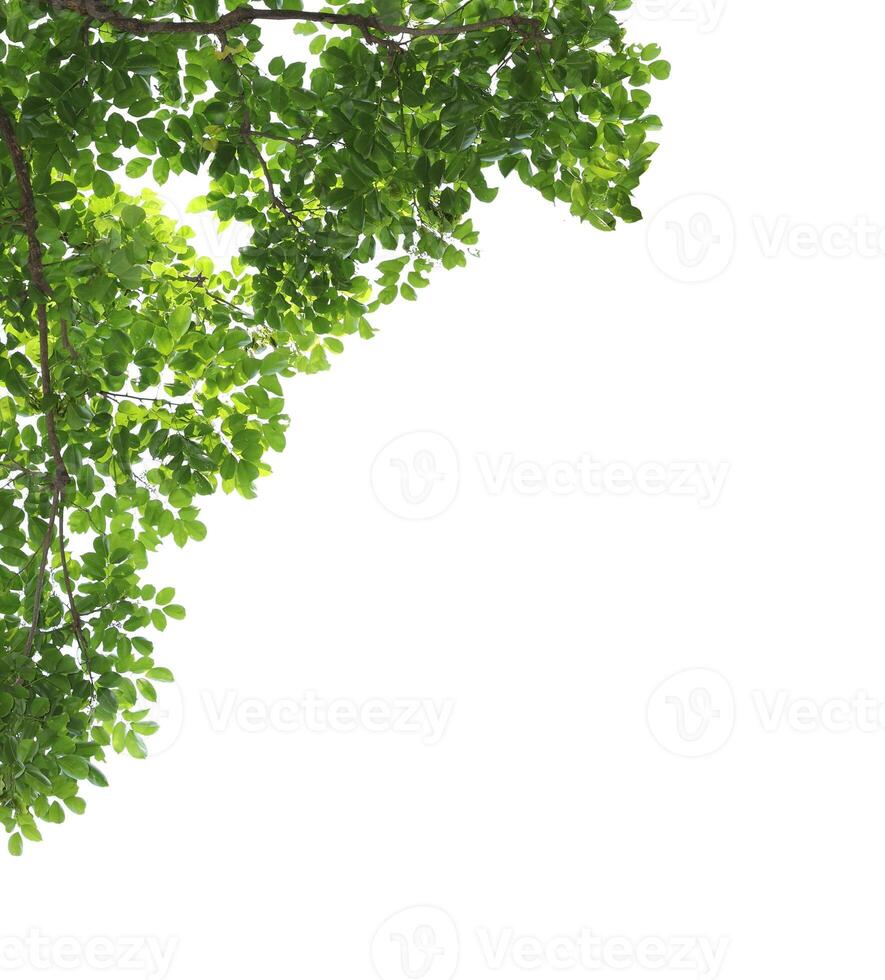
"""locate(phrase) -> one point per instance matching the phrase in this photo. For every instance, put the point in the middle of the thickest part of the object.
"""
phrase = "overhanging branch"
(38, 280)
(247, 15)
(41, 286)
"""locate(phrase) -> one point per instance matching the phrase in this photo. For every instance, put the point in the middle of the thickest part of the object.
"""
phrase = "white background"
(740, 803)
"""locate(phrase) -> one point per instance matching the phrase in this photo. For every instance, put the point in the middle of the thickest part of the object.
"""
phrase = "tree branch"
(248, 15)
(275, 200)
(38, 279)
(28, 208)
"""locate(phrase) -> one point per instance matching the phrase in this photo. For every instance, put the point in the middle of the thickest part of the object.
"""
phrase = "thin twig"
(66, 339)
(124, 395)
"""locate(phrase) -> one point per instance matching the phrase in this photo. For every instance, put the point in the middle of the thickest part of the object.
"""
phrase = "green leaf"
(102, 184)
(160, 170)
(118, 740)
(76, 805)
(6, 703)
(390, 11)
(135, 746)
(137, 167)
(179, 320)
(62, 190)
(74, 766)
(132, 215)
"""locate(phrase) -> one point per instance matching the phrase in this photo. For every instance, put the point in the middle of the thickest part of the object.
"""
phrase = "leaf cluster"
(136, 377)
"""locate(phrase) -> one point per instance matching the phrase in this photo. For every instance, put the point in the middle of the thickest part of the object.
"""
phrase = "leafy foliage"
(136, 377)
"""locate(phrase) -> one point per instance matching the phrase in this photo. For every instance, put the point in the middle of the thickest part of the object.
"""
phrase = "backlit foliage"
(136, 377)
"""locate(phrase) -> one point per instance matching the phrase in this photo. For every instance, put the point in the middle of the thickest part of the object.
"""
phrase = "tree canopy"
(136, 377)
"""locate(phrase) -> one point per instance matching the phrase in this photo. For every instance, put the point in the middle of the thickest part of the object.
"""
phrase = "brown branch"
(38, 279)
(248, 15)
(247, 136)
(246, 133)
(28, 208)
(66, 339)
(76, 621)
